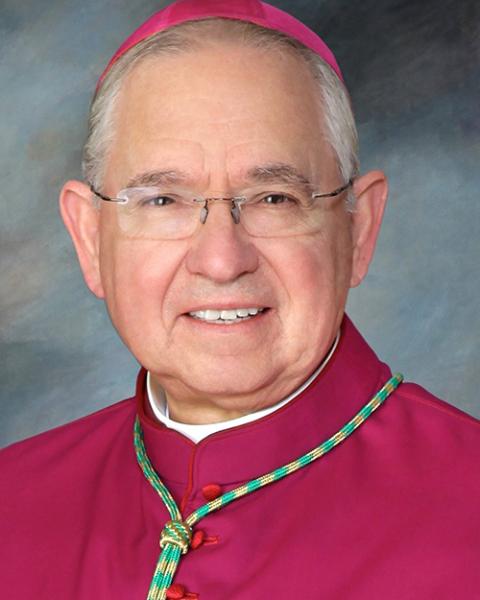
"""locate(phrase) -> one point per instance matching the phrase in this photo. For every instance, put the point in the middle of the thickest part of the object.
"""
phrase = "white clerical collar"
(196, 433)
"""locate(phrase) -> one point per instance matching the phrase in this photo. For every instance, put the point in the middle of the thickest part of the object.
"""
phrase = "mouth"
(230, 316)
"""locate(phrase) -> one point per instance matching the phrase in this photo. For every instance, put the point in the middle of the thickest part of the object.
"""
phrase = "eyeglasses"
(172, 213)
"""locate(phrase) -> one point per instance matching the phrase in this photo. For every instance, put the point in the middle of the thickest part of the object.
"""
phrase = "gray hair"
(340, 126)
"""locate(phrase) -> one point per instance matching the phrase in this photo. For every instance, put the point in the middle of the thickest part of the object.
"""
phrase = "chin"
(228, 380)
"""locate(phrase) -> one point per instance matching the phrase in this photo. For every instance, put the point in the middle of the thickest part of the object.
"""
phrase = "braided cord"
(170, 543)
(151, 474)
(176, 535)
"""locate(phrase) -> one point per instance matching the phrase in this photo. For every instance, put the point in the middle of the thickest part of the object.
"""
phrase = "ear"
(371, 192)
(82, 220)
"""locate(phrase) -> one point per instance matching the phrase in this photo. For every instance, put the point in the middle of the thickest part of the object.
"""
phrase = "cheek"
(136, 276)
(313, 274)
(315, 271)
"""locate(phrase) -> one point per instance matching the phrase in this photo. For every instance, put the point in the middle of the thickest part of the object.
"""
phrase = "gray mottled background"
(413, 71)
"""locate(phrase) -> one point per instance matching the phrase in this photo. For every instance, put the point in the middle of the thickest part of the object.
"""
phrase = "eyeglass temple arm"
(103, 197)
(335, 192)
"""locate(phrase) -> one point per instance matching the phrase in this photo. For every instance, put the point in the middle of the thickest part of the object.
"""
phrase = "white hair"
(338, 117)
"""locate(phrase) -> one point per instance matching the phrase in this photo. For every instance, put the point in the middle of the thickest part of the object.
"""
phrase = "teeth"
(211, 315)
(230, 315)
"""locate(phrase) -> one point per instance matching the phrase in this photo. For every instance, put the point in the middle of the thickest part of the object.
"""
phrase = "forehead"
(219, 110)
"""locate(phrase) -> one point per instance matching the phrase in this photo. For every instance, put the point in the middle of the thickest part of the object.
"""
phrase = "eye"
(278, 198)
(158, 201)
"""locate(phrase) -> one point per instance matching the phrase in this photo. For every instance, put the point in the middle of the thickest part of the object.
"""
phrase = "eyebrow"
(156, 178)
(269, 173)
(279, 173)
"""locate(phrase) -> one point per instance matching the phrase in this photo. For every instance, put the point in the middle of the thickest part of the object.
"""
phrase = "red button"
(176, 591)
(211, 491)
(197, 539)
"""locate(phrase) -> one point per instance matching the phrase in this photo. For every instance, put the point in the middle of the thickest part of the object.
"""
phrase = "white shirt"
(196, 433)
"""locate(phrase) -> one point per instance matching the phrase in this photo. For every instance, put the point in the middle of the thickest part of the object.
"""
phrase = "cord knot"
(177, 533)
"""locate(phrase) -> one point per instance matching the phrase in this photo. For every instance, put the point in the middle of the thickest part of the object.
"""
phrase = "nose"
(221, 250)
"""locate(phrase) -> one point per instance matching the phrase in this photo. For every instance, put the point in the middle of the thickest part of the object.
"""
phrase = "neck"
(201, 413)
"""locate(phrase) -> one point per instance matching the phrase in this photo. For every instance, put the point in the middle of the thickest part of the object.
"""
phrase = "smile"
(226, 317)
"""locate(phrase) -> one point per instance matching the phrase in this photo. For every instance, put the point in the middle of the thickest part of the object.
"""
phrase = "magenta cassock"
(392, 513)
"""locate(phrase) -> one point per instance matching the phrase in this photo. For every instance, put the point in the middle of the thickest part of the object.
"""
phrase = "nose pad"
(204, 213)
(234, 209)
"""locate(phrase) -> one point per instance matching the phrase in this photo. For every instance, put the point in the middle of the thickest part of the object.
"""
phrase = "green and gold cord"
(177, 534)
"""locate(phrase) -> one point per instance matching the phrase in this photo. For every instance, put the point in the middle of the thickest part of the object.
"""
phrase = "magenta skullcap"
(251, 11)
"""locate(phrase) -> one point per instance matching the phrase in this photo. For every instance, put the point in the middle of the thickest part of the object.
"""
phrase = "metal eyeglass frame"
(235, 200)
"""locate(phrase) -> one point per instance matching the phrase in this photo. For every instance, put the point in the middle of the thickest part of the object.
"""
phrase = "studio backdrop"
(413, 71)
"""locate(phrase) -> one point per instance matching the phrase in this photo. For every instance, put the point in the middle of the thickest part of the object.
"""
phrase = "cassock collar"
(235, 455)
(196, 433)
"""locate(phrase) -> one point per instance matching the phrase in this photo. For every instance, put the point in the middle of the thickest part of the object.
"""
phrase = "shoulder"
(433, 443)
(66, 447)
(53, 476)
(430, 416)
(58, 486)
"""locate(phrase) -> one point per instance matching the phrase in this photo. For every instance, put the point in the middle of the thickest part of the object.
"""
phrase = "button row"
(177, 591)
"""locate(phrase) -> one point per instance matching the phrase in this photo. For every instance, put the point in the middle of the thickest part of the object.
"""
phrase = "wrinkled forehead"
(211, 114)
(190, 165)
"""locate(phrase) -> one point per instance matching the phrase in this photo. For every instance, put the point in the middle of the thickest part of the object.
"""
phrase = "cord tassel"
(164, 572)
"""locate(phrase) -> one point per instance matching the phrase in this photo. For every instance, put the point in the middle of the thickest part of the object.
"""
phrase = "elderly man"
(223, 220)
